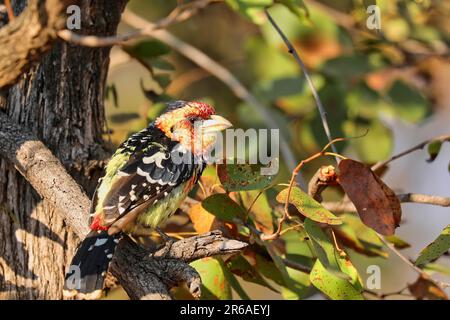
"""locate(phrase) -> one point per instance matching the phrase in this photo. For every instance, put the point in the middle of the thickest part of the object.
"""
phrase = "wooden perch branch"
(142, 278)
(28, 36)
(167, 266)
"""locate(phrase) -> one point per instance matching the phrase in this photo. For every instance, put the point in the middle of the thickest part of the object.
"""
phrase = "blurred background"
(392, 82)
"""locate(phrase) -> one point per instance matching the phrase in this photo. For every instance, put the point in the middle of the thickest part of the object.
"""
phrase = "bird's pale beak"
(215, 124)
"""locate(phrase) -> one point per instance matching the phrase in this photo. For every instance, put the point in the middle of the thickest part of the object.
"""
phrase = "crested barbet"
(145, 182)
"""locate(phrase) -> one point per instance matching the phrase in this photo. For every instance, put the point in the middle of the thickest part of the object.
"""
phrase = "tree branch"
(45, 173)
(168, 266)
(420, 146)
(179, 14)
(28, 36)
(142, 278)
(294, 53)
(347, 206)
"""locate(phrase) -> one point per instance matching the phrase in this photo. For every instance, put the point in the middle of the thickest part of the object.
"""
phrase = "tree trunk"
(61, 101)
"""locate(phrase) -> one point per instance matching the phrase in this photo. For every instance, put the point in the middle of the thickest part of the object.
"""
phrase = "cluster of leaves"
(311, 253)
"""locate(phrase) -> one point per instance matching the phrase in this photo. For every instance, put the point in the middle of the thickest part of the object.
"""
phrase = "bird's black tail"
(87, 272)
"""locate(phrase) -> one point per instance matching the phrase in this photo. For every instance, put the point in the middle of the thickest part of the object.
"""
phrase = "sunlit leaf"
(323, 247)
(297, 7)
(261, 212)
(350, 237)
(436, 267)
(435, 249)
(223, 207)
(308, 207)
(334, 287)
(214, 283)
(433, 149)
(398, 242)
(251, 9)
(239, 177)
(302, 285)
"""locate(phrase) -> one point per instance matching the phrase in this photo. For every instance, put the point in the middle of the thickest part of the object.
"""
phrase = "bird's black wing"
(148, 176)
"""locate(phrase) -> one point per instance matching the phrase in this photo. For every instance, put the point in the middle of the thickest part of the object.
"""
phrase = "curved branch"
(179, 14)
(28, 36)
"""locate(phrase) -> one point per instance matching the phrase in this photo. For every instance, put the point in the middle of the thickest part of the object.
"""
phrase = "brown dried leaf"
(376, 203)
(427, 288)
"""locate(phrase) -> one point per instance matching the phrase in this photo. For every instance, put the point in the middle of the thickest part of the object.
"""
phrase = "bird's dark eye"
(193, 119)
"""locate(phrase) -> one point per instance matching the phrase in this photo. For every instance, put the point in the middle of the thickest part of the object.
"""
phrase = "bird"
(145, 181)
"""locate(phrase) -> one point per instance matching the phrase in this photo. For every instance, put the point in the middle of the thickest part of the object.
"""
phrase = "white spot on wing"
(157, 158)
(100, 242)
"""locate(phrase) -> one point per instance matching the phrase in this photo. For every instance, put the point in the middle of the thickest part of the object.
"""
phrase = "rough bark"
(61, 102)
(148, 277)
(28, 36)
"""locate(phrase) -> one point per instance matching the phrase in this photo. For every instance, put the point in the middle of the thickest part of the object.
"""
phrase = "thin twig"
(217, 70)
(347, 206)
(411, 265)
(322, 111)
(179, 14)
(295, 172)
(420, 146)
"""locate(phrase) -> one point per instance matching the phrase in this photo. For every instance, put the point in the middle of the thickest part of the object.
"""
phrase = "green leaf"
(223, 207)
(234, 283)
(349, 69)
(301, 283)
(435, 249)
(214, 283)
(334, 287)
(323, 248)
(408, 103)
(308, 207)
(241, 267)
(433, 150)
(250, 9)
(240, 177)
(359, 237)
(162, 65)
(297, 7)
(148, 49)
(162, 79)
(398, 242)
(436, 267)
(261, 211)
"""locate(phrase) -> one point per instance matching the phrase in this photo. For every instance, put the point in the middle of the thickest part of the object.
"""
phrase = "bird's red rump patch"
(97, 224)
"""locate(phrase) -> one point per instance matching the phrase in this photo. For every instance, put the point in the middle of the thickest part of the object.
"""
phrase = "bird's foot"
(167, 241)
